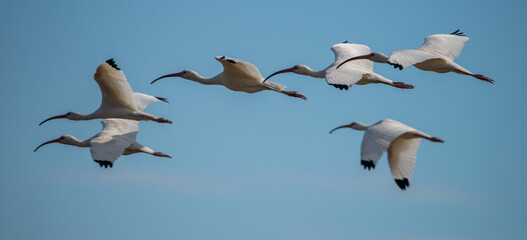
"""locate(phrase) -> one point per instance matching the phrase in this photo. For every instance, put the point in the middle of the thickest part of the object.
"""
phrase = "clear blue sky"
(261, 166)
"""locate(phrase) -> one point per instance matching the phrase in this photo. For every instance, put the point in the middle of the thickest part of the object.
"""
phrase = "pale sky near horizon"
(261, 166)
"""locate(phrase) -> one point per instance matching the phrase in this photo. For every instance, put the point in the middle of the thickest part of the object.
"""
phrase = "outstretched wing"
(115, 90)
(344, 51)
(142, 100)
(352, 72)
(112, 141)
(446, 45)
(238, 68)
(345, 75)
(401, 157)
(377, 139)
(409, 57)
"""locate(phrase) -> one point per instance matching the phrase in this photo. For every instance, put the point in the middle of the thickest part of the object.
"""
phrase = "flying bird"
(437, 54)
(399, 140)
(118, 137)
(360, 72)
(237, 75)
(118, 99)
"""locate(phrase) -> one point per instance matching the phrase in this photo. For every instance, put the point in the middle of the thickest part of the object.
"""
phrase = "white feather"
(116, 136)
(142, 100)
(436, 46)
(409, 57)
(243, 76)
(402, 156)
(378, 137)
(446, 45)
(236, 68)
(352, 72)
(116, 91)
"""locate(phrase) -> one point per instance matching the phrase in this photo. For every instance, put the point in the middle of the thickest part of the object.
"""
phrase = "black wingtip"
(395, 65)
(402, 183)
(367, 164)
(345, 41)
(231, 61)
(457, 33)
(162, 99)
(340, 86)
(112, 63)
(104, 163)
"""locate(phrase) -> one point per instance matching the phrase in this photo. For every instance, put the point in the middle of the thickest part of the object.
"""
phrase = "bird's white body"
(399, 140)
(358, 72)
(118, 99)
(440, 66)
(117, 137)
(437, 54)
(243, 76)
(237, 75)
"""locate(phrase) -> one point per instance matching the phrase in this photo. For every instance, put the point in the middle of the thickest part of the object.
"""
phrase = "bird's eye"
(185, 72)
(295, 68)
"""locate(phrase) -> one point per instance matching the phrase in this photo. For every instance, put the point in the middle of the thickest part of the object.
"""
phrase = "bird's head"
(298, 69)
(374, 56)
(69, 115)
(353, 125)
(187, 74)
(64, 139)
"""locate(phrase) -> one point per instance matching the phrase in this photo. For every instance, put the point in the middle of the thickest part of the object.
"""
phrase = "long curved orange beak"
(343, 126)
(51, 118)
(48, 142)
(367, 56)
(282, 71)
(179, 74)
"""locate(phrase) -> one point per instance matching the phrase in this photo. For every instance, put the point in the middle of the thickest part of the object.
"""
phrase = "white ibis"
(116, 138)
(360, 73)
(437, 54)
(118, 99)
(237, 75)
(401, 142)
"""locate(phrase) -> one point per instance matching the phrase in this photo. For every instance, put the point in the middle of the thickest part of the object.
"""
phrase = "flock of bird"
(121, 109)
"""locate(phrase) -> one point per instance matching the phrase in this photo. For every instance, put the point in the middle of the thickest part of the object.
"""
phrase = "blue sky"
(260, 166)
